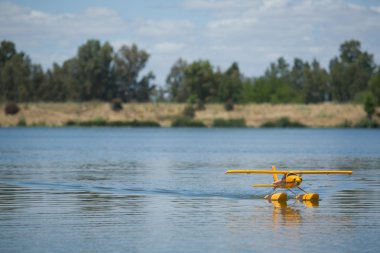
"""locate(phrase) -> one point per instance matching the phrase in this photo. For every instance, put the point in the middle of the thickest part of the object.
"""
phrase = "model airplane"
(290, 179)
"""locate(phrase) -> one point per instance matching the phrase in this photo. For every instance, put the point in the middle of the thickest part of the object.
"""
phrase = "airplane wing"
(257, 171)
(321, 171)
(290, 171)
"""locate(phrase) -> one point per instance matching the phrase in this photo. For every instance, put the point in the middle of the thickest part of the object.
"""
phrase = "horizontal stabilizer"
(263, 185)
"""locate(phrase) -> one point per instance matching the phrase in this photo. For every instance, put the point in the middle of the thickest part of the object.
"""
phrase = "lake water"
(164, 190)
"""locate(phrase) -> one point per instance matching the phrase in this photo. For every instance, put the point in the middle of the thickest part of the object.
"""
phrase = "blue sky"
(250, 32)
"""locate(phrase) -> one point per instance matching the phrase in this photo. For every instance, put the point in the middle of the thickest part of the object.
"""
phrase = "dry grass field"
(58, 114)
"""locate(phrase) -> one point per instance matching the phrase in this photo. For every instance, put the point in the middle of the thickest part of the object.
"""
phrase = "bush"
(38, 124)
(229, 123)
(192, 99)
(97, 122)
(103, 123)
(22, 122)
(229, 105)
(283, 122)
(116, 104)
(367, 123)
(71, 123)
(370, 105)
(189, 111)
(345, 124)
(133, 123)
(187, 122)
(89, 123)
(11, 109)
(361, 96)
(200, 106)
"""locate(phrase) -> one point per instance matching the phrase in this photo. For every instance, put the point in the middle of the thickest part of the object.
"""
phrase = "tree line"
(98, 72)
(95, 73)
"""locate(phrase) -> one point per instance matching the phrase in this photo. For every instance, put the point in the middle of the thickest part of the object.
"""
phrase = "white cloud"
(208, 4)
(49, 38)
(230, 26)
(16, 21)
(117, 44)
(274, 4)
(168, 48)
(227, 5)
(376, 9)
(251, 32)
(164, 28)
(267, 29)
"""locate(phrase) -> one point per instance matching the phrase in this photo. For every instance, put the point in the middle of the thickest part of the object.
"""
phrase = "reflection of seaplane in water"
(290, 179)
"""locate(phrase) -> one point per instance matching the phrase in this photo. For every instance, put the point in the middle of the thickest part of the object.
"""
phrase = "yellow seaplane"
(290, 179)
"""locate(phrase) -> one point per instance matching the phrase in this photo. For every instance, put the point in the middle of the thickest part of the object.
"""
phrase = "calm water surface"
(164, 190)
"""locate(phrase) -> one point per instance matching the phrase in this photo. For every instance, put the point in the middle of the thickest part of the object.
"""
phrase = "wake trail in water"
(60, 187)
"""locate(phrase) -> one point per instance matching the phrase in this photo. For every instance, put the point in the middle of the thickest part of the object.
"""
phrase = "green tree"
(7, 51)
(316, 83)
(230, 84)
(369, 105)
(297, 74)
(200, 80)
(374, 85)
(15, 77)
(175, 82)
(129, 62)
(275, 86)
(84, 77)
(58, 85)
(247, 93)
(36, 83)
(274, 90)
(94, 70)
(351, 72)
(70, 77)
(279, 70)
(284, 93)
(263, 89)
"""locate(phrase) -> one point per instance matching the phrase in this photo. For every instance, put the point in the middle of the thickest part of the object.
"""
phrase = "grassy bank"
(164, 114)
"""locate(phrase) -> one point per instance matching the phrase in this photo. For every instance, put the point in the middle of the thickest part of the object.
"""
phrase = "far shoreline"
(166, 115)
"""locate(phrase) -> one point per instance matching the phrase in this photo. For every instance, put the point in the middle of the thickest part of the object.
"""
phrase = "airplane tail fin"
(275, 178)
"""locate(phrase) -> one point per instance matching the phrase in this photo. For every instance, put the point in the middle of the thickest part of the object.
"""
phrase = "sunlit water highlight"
(164, 190)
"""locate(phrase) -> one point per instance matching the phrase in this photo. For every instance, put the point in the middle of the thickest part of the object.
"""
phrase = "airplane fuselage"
(288, 181)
